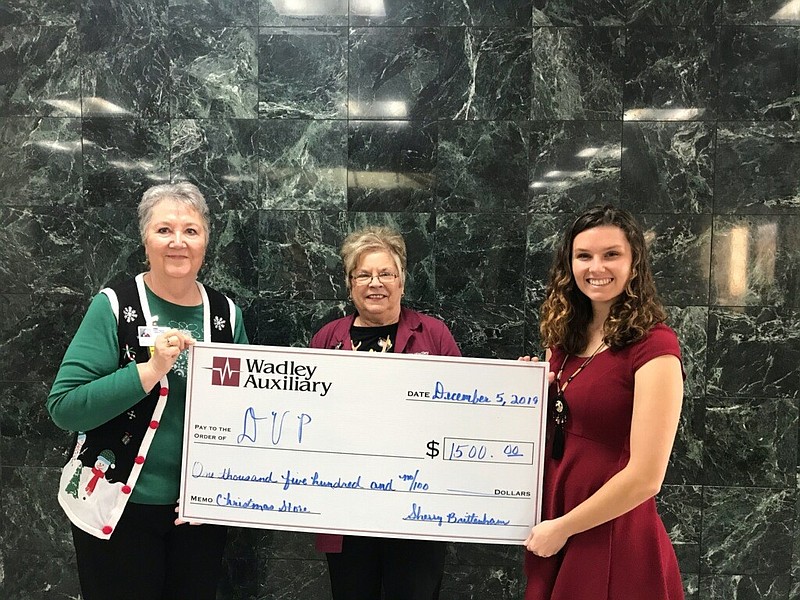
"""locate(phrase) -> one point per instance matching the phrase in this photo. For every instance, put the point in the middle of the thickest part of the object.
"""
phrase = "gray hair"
(373, 238)
(183, 192)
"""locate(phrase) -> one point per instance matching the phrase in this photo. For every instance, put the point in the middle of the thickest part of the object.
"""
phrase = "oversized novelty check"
(391, 445)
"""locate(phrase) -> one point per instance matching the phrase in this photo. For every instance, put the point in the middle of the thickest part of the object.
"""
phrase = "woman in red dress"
(615, 404)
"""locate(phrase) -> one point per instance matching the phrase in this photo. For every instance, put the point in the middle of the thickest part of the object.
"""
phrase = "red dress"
(630, 557)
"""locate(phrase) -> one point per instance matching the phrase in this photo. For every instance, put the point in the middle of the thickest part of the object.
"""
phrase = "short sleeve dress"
(630, 557)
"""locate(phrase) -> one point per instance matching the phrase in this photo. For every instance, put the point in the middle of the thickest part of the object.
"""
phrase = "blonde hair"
(373, 238)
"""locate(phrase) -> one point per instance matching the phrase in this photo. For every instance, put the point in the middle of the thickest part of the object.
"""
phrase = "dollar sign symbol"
(433, 449)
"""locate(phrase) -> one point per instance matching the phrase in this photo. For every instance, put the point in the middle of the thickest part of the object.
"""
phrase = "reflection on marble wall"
(477, 128)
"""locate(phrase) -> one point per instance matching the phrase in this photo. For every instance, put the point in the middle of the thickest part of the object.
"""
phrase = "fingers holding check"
(165, 351)
(551, 377)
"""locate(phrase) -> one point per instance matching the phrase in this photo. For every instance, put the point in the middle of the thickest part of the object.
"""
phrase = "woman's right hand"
(165, 351)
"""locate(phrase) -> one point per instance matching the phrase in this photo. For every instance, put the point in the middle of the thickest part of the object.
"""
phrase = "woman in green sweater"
(121, 387)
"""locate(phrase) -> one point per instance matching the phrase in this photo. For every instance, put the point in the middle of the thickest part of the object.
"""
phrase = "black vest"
(120, 445)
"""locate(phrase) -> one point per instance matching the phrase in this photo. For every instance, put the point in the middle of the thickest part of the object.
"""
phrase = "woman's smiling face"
(601, 263)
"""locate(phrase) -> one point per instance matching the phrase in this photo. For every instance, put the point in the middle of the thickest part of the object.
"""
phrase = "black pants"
(150, 558)
(403, 569)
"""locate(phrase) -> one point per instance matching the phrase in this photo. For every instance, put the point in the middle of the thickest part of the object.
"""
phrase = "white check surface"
(407, 446)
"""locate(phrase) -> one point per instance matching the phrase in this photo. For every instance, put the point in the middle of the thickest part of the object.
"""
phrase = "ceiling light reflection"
(90, 104)
(58, 146)
(789, 12)
(663, 114)
(378, 108)
(737, 265)
(368, 8)
(310, 8)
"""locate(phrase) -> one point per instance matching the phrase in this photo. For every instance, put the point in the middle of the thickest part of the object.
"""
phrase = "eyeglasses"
(366, 279)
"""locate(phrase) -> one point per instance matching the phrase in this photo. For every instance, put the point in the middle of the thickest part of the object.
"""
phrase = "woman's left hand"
(546, 538)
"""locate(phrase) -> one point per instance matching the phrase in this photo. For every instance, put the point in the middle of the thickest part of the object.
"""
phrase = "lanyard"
(561, 409)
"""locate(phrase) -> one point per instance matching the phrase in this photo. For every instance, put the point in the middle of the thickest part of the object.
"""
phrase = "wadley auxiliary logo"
(285, 376)
(225, 371)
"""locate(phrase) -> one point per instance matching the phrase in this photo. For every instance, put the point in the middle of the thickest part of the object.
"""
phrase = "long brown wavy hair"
(566, 312)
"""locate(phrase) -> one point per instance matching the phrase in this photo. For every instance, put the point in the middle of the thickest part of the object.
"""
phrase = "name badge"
(149, 333)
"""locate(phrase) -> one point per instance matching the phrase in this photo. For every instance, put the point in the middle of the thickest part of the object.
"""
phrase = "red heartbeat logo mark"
(225, 371)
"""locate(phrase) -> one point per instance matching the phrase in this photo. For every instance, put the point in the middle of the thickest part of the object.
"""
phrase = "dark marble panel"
(485, 74)
(28, 438)
(759, 73)
(239, 580)
(39, 71)
(677, 13)
(485, 330)
(756, 261)
(302, 164)
(392, 72)
(482, 167)
(758, 168)
(680, 252)
(577, 73)
(747, 531)
(220, 156)
(122, 158)
(686, 461)
(213, 13)
(487, 13)
(316, 13)
(39, 12)
(498, 582)
(691, 326)
(66, 251)
(244, 544)
(670, 74)
(751, 442)
(231, 262)
(484, 554)
(680, 507)
(761, 12)
(407, 13)
(300, 579)
(478, 258)
(298, 255)
(544, 235)
(574, 165)
(42, 161)
(668, 167)
(691, 584)
(294, 322)
(286, 545)
(418, 232)
(213, 72)
(753, 353)
(794, 593)
(35, 541)
(124, 58)
(602, 13)
(302, 73)
(745, 587)
(391, 165)
(32, 323)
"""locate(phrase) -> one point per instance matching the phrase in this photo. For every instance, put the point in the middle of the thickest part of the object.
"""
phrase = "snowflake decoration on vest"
(219, 323)
(130, 353)
(129, 314)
